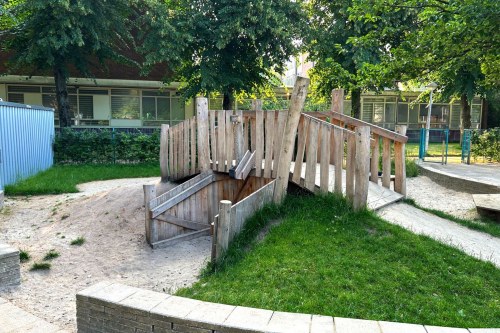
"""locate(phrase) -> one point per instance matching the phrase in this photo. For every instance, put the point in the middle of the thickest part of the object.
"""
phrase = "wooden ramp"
(378, 196)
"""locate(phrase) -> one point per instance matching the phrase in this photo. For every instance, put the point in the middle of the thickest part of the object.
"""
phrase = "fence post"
(223, 227)
(400, 163)
(151, 232)
(338, 100)
(164, 152)
(202, 121)
(362, 167)
(288, 141)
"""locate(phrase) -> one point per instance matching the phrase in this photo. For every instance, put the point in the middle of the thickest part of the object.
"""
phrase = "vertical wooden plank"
(246, 128)
(400, 163)
(171, 152)
(253, 134)
(193, 146)
(386, 163)
(350, 167)
(339, 158)
(150, 223)
(332, 147)
(176, 151)
(213, 140)
(325, 158)
(311, 156)
(362, 167)
(238, 137)
(202, 122)
(278, 141)
(374, 159)
(259, 137)
(338, 100)
(164, 152)
(301, 146)
(230, 133)
(185, 165)
(221, 140)
(180, 158)
(269, 143)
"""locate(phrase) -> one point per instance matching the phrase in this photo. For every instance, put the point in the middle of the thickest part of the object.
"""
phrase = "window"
(49, 100)
(125, 104)
(402, 113)
(15, 94)
(380, 111)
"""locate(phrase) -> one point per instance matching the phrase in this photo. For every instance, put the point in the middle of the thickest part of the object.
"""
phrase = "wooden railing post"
(362, 167)
(338, 100)
(400, 163)
(259, 136)
(202, 122)
(288, 140)
(164, 153)
(374, 160)
(223, 228)
(151, 230)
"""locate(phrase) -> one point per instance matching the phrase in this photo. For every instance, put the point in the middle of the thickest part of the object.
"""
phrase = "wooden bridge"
(235, 158)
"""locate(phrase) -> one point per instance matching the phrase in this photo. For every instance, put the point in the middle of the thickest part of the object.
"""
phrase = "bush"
(486, 144)
(105, 147)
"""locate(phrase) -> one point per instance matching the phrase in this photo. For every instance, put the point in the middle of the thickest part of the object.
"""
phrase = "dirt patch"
(110, 216)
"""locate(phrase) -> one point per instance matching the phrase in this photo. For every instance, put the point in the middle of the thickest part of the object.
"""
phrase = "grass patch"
(435, 149)
(326, 259)
(24, 256)
(40, 266)
(411, 168)
(482, 224)
(64, 178)
(52, 254)
(78, 241)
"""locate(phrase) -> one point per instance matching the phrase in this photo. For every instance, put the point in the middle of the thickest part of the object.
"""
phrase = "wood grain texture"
(339, 158)
(325, 159)
(269, 143)
(386, 163)
(362, 168)
(400, 163)
(311, 156)
(350, 166)
(203, 137)
(221, 140)
(301, 148)
(164, 152)
(213, 140)
(375, 159)
(259, 137)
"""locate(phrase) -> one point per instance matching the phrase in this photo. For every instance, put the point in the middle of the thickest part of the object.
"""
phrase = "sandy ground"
(110, 216)
(428, 194)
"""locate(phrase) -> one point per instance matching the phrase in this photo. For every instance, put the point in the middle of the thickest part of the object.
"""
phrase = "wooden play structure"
(234, 162)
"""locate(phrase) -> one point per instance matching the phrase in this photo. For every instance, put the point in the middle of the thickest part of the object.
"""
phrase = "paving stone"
(174, 307)
(248, 318)
(322, 324)
(348, 325)
(439, 329)
(286, 322)
(112, 294)
(390, 327)
(83, 294)
(210, 313)
(144, 300)
(15, 320)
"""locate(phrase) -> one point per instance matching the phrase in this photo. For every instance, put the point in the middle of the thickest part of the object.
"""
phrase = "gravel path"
(110, 216)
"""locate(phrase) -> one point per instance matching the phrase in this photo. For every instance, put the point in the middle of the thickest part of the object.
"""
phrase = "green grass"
(411, 168)
(64, 178)
(435, 149)
(39, 266)
(24, 256)
(483, 224)
(52, 254)
(325, 259)
(78, 241)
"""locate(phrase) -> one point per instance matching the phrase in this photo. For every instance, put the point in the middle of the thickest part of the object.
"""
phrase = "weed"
(64, 217)
(78, 241)
(52, 254)
(37, 266)
(24, 256)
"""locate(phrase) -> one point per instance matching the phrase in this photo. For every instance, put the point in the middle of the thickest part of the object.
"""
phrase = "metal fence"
(26, 135)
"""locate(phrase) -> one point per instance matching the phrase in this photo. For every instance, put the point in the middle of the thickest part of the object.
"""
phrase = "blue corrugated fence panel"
(26, 135)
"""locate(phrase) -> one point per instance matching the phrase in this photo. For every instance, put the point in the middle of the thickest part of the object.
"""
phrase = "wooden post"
(325, 159)
(362, 167)
(202, 122)
(374, 160)
(400, 163)
(151, 232)
(238, 137)
(259, 136)
(223, 227)
(288, 141)
(350, 167)
(338, 100)
(164, 153)
(338, 134)
(386, 163)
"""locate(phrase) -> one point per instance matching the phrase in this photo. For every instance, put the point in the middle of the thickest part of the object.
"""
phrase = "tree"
(235, 46)
(347, 47)
(54, 35)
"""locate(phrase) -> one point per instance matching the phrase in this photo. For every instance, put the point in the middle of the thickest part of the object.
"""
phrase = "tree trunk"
(63, 105)
(356, 103)
(465, 123)
(227, 102)
(484, 115)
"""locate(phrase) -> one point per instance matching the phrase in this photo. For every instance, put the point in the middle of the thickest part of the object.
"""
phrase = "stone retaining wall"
(112, 307)
(10, 273)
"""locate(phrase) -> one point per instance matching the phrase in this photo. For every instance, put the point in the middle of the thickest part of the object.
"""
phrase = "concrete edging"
(113, 307)
(10, 266)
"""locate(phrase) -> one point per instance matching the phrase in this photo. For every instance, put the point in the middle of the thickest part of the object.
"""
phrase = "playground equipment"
(466, 145)
(231, 163)
(422, 153)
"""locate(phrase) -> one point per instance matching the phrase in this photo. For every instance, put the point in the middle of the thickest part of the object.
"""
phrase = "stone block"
(286, 322)
(209, 315)
(390, 327)
(190, 329)
(243, 319)
(439, 329)
(85, 293)
(348, 325)
(322, 324)
(484, 330)
(174, 308)
(112, 294)
(142, 301)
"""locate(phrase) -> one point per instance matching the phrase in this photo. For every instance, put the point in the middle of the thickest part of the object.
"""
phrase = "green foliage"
(65, 178)
(105, 146)
(52, 254)
(78, 241)
(411, 168)
(322, 250)
(486, 144)
(24, 256)
(38, 266)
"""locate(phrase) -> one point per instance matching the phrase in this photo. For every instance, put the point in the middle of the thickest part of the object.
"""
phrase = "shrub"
(411, 168)
(486, 144)
(40, 266)
(52, 254)
(79, 241)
